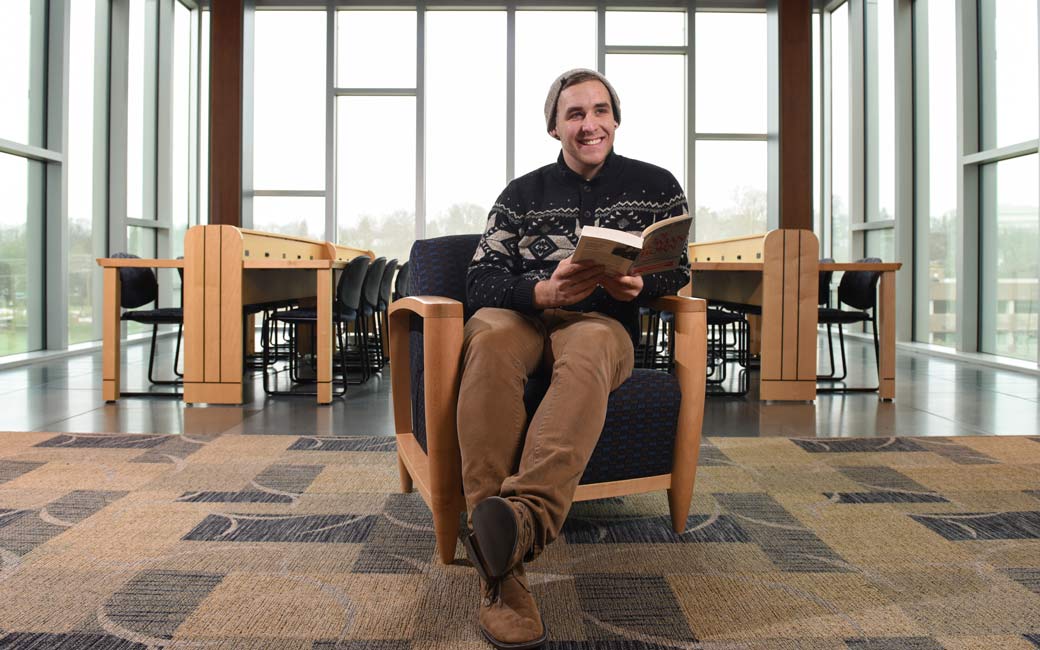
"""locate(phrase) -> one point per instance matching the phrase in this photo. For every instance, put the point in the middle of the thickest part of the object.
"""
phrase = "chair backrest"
(401, 281)
(374, 277)
(824, 297)
(139, 286)
(387, 283)
(438, 266)
(351, 282)
(858, 289)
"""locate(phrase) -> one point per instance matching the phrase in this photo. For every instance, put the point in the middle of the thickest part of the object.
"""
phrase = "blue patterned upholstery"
(639, 433)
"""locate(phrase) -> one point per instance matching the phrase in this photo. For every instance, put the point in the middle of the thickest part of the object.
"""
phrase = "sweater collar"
(611, 167)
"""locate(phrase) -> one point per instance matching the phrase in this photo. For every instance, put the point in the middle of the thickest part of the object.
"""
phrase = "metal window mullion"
(147, 223)
(286, 193)
(887, 224)
(420, 119)
(510, 92)
(733, 137)
(826, 138)
(1001, 153)
(53, 332)
(330, 122)
(150, 123)
(871, 114)
(194, 56)
(691, 113)
(29, 151)
(645, 49)
(601, 37)
(904, 161)
(248, 115)
(374, 92)
(922, 176)
(857, 126)
(968, 178)
(101, 173)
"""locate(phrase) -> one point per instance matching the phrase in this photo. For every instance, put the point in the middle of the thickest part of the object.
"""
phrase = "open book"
(659, 248)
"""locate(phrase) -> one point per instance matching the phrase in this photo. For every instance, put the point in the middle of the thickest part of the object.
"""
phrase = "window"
(289, 122)
(731, 173)
(1007, 72)
(1010, 270)
(936, 173)
(21, 254)
(23, 27)
(547, 44)
(881, 111)
(465, 118)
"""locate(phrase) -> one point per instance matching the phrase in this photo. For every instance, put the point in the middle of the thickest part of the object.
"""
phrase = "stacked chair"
(139, 288)
(729, 341)
(858, 290)
(346, 310)
(651, 437)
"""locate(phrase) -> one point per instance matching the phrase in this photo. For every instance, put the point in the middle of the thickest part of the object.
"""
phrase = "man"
(540, 311)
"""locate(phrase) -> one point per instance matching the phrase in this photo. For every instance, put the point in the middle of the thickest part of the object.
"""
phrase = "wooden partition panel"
(790, 284)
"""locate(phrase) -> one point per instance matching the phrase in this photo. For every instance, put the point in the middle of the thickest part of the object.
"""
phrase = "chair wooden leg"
(402, 470)
(679, 506)
(446, 527)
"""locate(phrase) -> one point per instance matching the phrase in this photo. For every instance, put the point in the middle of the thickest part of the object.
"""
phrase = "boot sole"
(494, 536)
(525, 645)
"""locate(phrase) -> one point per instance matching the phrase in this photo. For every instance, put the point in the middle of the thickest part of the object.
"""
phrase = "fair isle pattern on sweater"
(537, 221)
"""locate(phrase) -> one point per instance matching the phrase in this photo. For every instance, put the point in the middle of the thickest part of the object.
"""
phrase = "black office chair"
(401, 281)
(371, 352)
(346, 309)
(721, 352)
(385, 286)
(824, 300)
(857, 289)
(139, 287)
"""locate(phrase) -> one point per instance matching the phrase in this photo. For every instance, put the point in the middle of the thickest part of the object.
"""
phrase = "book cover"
(658, 248)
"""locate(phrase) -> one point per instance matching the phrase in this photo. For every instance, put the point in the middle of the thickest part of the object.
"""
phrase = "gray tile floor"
(935, 397)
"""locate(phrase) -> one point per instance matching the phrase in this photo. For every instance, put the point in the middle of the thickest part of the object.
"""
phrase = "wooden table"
(226, 268)
(779, 272)
(111, 330)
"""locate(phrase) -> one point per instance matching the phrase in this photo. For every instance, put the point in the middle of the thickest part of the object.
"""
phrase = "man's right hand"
(570, 283)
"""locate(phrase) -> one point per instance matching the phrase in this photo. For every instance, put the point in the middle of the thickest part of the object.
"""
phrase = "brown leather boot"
(502, 537)
(509, 618)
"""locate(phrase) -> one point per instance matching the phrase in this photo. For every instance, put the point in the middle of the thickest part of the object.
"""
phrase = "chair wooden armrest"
(691, 349)
(437, 473)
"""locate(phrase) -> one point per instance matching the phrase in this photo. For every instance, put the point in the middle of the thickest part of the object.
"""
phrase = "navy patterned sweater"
(537, 220)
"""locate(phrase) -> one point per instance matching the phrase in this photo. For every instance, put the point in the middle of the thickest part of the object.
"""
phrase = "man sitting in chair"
(538, 310)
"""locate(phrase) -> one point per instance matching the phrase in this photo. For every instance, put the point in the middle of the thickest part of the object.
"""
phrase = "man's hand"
(624, 288)
(570, 283)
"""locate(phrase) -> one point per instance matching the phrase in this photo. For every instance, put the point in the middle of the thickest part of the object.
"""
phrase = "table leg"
(110, 359)
(324, 335)
(886, 315)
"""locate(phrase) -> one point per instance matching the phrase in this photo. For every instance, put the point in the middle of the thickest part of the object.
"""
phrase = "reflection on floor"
(935, 397)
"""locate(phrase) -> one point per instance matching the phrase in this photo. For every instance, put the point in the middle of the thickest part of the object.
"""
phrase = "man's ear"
(554, 134)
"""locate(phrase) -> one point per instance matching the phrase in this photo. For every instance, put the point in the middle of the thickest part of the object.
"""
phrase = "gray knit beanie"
(557, 86)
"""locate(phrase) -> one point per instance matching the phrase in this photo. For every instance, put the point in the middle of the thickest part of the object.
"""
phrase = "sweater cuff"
(523, 296)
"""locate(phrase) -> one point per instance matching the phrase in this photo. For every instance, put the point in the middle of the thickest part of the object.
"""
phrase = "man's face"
(585, 126)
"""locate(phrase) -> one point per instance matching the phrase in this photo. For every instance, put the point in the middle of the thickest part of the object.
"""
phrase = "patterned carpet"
(288, 542)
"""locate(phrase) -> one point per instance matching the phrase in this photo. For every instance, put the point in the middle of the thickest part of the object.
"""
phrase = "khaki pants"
(590, 355)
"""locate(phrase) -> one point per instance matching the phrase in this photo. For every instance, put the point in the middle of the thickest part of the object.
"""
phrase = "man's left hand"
(624, 288)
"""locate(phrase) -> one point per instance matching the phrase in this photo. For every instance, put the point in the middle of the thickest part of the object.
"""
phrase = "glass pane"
(465, 120)
(731, 98)
(204, 120)
(646, 28)
(881, 113)
(731, 189)
(375, 199)
(181, 136)
(85, 242)
(375, 49)
(21, 258)
(23, 41)
(547, 44)
(882, 244)
(840, 153)
(652, 90)
(289, 101)
(1007, 71)
(937, 164)
(140, 115)
(1010, 282)
(817, 127)
(303, 216)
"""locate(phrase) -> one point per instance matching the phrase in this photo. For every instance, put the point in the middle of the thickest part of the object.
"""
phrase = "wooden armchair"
(651, 437)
